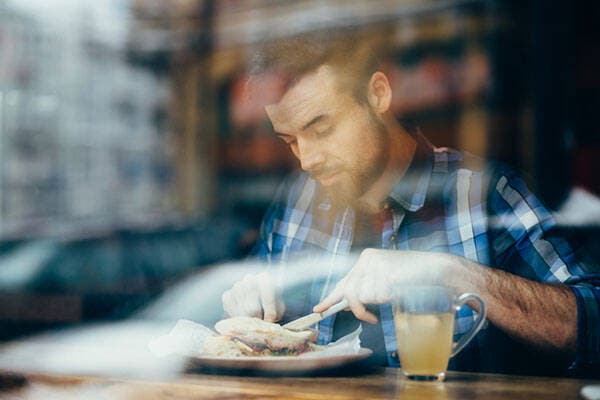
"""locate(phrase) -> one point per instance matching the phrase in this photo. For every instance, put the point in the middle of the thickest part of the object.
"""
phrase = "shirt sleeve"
(524, 243)
(588, 325)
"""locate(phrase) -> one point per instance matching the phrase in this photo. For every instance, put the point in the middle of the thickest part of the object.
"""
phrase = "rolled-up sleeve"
(588, 325)
(525, 243)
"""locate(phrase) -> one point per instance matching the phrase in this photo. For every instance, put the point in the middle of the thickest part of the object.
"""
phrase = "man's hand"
(542, 314)
(376, 272)
(254, 296)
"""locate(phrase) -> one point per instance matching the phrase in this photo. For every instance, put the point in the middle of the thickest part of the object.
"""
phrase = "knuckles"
(244, 297)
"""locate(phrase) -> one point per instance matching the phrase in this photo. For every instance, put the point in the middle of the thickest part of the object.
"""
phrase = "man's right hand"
(254, 296)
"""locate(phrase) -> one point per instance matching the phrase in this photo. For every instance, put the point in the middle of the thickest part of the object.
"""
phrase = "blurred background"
(130, 158)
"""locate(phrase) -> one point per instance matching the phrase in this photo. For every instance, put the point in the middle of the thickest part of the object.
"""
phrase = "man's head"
(334, 113)
(354, 58)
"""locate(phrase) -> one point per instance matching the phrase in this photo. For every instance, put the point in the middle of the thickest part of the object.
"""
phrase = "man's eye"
(325, 132)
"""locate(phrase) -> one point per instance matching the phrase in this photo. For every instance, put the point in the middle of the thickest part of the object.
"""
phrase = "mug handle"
(466, 338)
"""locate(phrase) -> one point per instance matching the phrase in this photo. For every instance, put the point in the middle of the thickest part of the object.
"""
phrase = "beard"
(357, 179)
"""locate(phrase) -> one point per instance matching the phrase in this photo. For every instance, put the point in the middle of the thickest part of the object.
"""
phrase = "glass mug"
(424, 321)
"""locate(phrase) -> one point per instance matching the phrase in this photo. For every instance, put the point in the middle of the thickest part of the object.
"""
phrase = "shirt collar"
(411, 190)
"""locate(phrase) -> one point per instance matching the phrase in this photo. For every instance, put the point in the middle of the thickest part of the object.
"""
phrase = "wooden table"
(384, 384)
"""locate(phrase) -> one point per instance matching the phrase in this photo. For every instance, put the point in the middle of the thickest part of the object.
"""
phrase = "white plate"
(277, 364)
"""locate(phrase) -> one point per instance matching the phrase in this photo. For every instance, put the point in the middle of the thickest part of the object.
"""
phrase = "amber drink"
(424, 324)
(426, 342)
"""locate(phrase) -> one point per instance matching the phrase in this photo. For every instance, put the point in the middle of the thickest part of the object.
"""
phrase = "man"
(420, 215)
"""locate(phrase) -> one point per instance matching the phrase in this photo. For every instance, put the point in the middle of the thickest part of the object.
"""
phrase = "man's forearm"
(541, 314)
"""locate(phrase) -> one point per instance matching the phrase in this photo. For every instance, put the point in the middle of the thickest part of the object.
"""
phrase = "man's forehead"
(303, 101)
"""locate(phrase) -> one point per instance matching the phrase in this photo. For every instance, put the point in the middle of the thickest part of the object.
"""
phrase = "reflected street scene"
(398, 190)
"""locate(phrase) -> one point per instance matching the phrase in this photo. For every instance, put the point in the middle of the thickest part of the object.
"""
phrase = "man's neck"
(402, 150)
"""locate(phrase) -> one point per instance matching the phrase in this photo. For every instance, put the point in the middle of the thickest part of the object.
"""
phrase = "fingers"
(334, 297)
(248, 297)
(366, 283)
(360, 311)
(232, 302)
(253, 296)
(267, 298)
(229, 304)
(243, 299)
(280, 309)
(352, 293)
(347, 288)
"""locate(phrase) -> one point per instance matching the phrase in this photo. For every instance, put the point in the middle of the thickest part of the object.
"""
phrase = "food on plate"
(224, 346)
(247, 336)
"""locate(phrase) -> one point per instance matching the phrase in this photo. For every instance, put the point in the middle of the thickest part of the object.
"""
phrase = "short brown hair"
(351, 54)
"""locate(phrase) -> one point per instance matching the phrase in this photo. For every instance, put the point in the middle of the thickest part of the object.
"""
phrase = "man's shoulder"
(450, 164)
(448, 161)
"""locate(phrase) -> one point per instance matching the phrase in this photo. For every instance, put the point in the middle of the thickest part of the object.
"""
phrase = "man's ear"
(379, 92)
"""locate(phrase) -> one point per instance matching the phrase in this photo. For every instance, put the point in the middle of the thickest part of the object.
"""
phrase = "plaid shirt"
(446, 202)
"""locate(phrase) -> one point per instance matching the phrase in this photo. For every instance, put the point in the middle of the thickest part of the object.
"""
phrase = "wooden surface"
(385, 384)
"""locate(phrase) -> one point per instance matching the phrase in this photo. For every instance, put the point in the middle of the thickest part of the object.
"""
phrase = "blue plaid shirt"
(446, 202)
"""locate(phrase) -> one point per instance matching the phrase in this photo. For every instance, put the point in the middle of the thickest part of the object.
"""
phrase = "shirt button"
(394, 355)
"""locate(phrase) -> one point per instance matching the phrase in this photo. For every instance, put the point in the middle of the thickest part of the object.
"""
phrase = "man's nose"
(311, 157)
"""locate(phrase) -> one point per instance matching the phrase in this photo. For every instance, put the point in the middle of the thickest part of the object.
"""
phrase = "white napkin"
(185, 339)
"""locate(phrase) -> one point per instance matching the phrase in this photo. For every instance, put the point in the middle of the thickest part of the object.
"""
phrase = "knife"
(311, 319)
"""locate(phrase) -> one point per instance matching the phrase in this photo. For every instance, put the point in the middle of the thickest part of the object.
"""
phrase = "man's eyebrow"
(313, 121)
